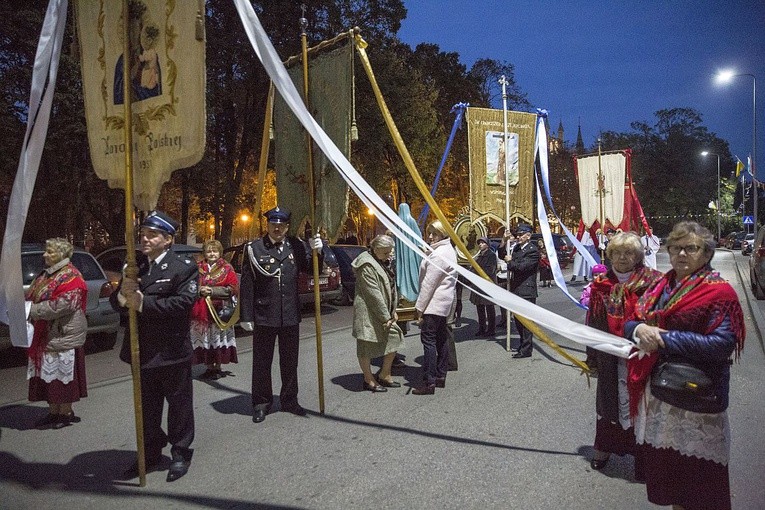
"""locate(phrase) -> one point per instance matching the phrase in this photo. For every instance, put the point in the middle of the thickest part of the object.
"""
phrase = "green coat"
(374, 305)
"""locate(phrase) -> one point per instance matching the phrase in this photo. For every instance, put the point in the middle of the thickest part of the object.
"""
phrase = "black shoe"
(178, 467)
(46, 422)
(440, 382)
(132, 471)
(388, 384)
(258, 415)
(374, 388)
(598, 464)
(573, 278)
(519, 355)
(296, 410)
(425, 389)
(64, 420)
(457, 322)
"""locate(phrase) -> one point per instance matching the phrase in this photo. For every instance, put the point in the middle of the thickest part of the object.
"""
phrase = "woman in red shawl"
(218, 281)
(613, 297)
(56, 368)
(694, 314)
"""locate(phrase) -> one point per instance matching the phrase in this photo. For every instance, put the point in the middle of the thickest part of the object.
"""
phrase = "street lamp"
(705, 154)
(726, 77)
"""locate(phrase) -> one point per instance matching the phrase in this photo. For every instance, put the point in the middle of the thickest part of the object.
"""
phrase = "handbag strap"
(214, 314)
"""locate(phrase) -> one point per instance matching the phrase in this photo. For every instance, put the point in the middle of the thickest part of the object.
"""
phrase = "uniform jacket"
(169, 293)
(524, 265)
(437, 286)
(375, 301)
(272, 299)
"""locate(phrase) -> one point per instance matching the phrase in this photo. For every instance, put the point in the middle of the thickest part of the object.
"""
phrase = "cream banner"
(608, 183)
(167, 78)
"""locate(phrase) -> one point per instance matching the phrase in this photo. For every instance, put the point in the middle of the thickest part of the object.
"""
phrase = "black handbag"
(226, 311)
(686, 386)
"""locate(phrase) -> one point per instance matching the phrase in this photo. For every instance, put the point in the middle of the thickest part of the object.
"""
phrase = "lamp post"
(707, 153)
(725, 77)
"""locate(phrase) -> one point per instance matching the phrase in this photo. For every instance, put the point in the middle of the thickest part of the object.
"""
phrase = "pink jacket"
(437, 288)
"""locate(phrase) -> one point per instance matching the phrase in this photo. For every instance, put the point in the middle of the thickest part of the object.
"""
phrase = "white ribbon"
(267, 54)
(40, 100)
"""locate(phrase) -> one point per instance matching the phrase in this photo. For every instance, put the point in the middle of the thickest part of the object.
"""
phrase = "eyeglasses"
(690, 249)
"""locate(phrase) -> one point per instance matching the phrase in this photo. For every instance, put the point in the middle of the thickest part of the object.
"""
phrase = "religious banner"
(167, 82)
(488, 155)
(330, 86)
(602, 176)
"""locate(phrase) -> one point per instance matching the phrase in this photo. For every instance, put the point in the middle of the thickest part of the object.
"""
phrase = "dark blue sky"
(612, 63)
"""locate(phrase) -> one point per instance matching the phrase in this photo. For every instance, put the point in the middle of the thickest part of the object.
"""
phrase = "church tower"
(579, 141)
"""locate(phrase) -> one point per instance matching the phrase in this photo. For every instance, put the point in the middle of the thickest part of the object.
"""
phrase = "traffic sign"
(748, 220)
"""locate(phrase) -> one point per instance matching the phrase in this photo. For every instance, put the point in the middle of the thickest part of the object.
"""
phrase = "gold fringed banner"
(487, 163)
(330, 82)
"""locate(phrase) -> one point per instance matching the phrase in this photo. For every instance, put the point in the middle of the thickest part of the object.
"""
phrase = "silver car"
(103, 320)
(757, 265)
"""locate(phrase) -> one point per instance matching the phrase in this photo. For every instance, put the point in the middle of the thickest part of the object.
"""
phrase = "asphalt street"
(504, 433)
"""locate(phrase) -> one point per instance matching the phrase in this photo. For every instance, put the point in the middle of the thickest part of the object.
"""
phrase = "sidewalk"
(504, 433)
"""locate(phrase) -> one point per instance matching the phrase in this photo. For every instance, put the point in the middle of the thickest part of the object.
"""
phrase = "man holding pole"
(270, 308)
(162, 297)
(524, 265)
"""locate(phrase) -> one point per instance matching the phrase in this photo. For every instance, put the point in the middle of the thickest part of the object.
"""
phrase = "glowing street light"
(726, 76)
(705, 154)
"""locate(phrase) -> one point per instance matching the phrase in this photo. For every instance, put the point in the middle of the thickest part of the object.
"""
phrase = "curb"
(754, 309)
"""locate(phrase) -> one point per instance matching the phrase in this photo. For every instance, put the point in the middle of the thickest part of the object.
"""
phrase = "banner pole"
(601, 197)
(503, 82)
(314, 227)
(131, 271)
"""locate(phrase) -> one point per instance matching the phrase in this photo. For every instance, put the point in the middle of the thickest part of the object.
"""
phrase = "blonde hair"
(629, 241)
(437, 228)
(382, 241)
(62, 246)
(214, 243)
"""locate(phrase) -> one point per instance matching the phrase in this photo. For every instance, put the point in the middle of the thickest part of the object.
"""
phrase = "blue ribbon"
(460, 109)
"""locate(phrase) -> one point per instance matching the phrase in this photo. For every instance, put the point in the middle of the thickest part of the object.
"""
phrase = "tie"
(152, 265)
(280, 246)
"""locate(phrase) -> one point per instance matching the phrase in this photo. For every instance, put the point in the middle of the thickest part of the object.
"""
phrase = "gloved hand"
(316, 243)
(247, 326)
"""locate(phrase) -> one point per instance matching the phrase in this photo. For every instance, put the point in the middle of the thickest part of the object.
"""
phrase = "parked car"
(757, 265)
(103, 321)
(734, 240)
(747, 244)
(563, 248)
(329, 277)
(113, 259)
(345, 254)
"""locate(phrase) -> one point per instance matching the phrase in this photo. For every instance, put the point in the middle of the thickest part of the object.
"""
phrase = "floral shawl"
(699, 303)
(613, 303)
(66, 283)
(218, 274)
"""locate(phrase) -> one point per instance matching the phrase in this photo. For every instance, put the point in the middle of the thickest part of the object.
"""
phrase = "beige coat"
(67, 323)
(374, 303)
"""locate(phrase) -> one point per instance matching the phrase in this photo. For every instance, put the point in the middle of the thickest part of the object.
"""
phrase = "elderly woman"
(437, 292)
(374, 313)
(613, 297)
(213, 345)
(56, 369)
(486, 260)
(690, 315)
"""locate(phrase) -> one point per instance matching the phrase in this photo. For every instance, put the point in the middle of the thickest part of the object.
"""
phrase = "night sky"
(612, 63)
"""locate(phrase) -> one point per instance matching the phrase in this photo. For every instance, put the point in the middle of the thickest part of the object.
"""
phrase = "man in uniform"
(524, 265)
(270, 308)
(162, 297)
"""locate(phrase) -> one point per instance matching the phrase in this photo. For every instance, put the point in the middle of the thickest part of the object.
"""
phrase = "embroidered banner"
(330, 85)
(609, 183)
(488, 153)
(167, 74)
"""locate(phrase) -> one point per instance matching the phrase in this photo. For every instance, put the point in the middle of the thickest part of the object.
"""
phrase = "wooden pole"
(601, 198)
(265, 143)
(314, 227)
(131, 270)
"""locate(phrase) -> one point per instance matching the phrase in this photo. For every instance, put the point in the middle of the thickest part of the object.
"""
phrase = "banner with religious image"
(167, 83)
(330, 91)
(491, 163)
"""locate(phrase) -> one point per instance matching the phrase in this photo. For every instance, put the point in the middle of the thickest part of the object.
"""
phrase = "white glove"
(247, 326)
(316, 243)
